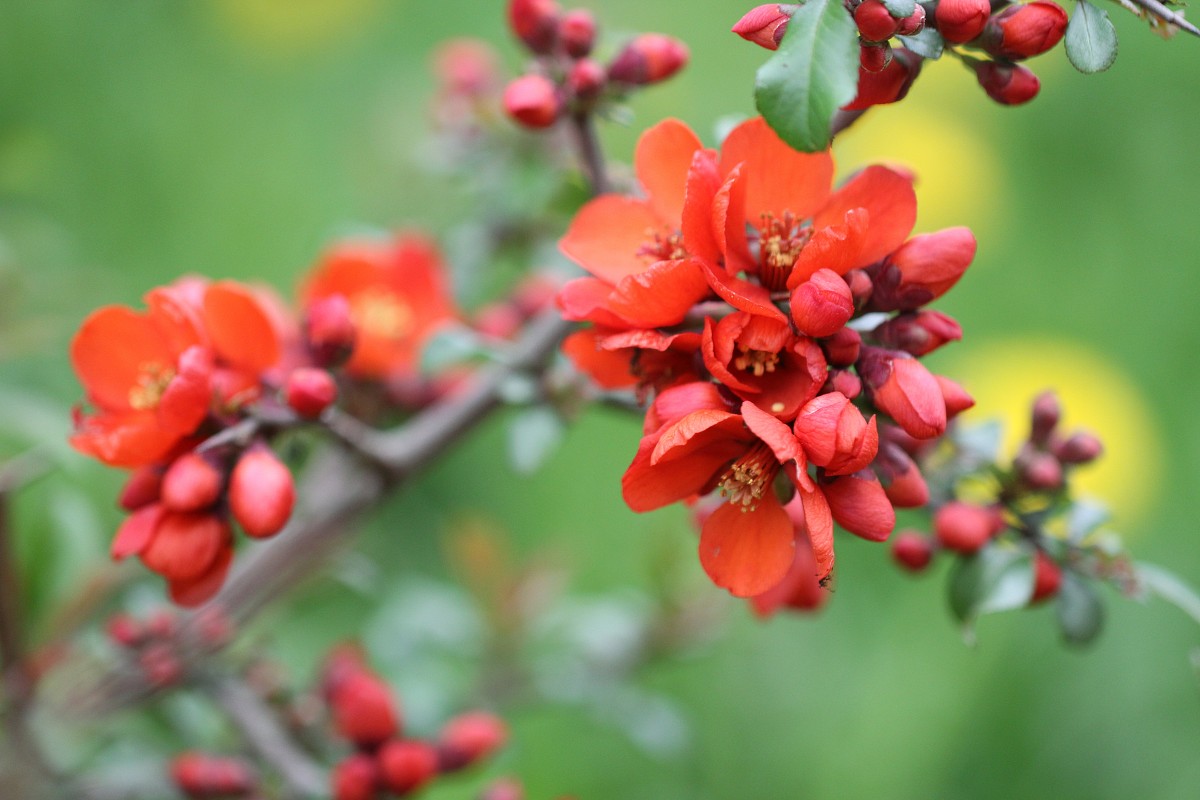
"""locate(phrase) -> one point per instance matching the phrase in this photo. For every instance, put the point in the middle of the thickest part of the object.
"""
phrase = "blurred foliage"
(139, 141)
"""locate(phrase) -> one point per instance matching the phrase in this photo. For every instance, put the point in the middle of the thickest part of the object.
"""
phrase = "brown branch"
(1157, 9)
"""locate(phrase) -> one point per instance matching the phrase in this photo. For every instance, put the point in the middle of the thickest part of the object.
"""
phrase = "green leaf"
(1080, 612)
(899, 9)
(927, 43)
(1170, 587)
(1091, 39)
(994, 579)
(449, 346)
(1085, 517)
(812, 74)
(532, 437)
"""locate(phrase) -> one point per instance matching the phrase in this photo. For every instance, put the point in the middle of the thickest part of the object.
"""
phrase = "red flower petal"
(185, 545)
(661, 295)
(185, 401)
(835, 247)
(646, 486)
(129, 439)
(860, 505)
(191, 593)
(662, 159)
(606, 234)
(740, 294)
(240, 328)
(778, 178)
(747, 552)
(135, 532)
(891, 202)
(111, 352)
(778, 436)
(609, 370)
(700, 224)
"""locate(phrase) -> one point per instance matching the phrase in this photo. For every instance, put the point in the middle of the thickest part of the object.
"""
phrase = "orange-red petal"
(891, 202)
(112, 351)
(240, 329)
(606, 234)
(662, 159)
(191, 593)
(609, 369)
(125, 439)
(662, 295)
(747, 552)
(778, 178)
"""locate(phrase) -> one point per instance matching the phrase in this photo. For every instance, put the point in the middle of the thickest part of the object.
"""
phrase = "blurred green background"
(140, 141)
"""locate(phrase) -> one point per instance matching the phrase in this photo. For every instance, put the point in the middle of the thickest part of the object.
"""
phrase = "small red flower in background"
(397, 294)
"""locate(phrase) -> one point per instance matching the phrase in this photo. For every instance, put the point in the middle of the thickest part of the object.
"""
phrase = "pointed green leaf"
(1170, 587)
(812, 74)
(1080, 612)
(899, 9)
(927, 43)
(1091, 39)
(994, 579)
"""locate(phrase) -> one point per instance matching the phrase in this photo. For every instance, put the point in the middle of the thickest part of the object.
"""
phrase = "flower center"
(664, 245)
(381, 314)
(779, 244)
(152, 381)
(750, 477)
(756, 361)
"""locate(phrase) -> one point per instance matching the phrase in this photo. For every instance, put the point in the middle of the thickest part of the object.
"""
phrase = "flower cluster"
(1001, 35)
(386, 762)
(778, 323)
(564, 78)
(170, 386)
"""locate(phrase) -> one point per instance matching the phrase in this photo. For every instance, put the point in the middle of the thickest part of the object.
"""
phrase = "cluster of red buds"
(189, 393)
(386, 762)
(1036, 482)
(152, 643)
(202, 776)
(564, 78)
(1001, 34)
(779, 324)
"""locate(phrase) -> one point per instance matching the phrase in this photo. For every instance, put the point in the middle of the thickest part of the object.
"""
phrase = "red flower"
(397, 294)
(803, 586)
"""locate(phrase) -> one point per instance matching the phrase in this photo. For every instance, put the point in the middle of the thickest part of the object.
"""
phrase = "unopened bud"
(184, 545)
(914, 23)
(363, 711)
(889, 84)
(141, 489)
(1025, 30)
(844, 381)
(649, 58)
(125, 631)
(822, 305)
(1039, 470)
(957, 398)
(1007, 84)
(1044, 418)
(261, 492)
(535, 22)
(966, 528)
(842, 348)
(912, 550)
(860, 505)
(860, 285)
(1079, 448)
(905, 390)
(199, 775)
(329, 331)
(533, 101)
(875, 23)
(902, 480)
(309, 391)
(874, 56)
(355, 778)
(960, 21)
(469, 738)
(919, 333)
(764, 25)
(160, 666)
(191, 483)
(406, 765)
(923, 269)
(577, 32)
(1047, 578)
(586, 80)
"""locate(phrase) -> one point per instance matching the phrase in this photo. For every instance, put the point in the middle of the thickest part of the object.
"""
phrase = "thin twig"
(1157, 9)
(589, 152)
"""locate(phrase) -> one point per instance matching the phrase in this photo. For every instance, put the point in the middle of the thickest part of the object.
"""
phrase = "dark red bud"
(363, 711)
(914, 23)
(329, 331)
(842, 348)
(919, 333)
(961, 21)
(1047, 578)
(912, 550)
(764, 25)
(533, 101)
(586, 79)
(888, 85)
(875, 22)
(535, 22)
(406, 765)
(650, 58)
(577, 32)
(355, 778)
(1039, 470)
(199, 775)
(261, 493)
(964, 527)
(191, 483)
(1044, 418)
(125, 631)
(1007, 84)
(160, 666)
(860, 285)
(1079, 448)
(874, 56)
(309, 391)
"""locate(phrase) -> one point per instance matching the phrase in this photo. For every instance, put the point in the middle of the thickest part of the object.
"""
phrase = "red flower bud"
(261, 492)
(835, 435)
(159, 665)
(912, 550)
(504, 789)
(888, 85)
(1007, 84)
(842, 348)
(191, 483)
(844, 381)
(310, 391)
(966, 528)
(1039, 470)
(125, 631)
(329, 332)
(764, 25)
(201, 776)
(822, 305)
(535, 22)
(1026, 30)
(908, 489)
(342, 663)
(961, 21)
(914, 23)
(906, 391)
(650, 58)
(860, 506)
(919, 333)
(1045, 415)
(874, 56)
(956, 397)
(923, 269)
(533, 101)
(577, 32)
(184, 545)
(406, 765)
(469, 738)
(1079, 448)
(355, 778)
(141, 489)
(860, 285)
(874, 21)
(363, 711)
(1047, 578)
(586, 80)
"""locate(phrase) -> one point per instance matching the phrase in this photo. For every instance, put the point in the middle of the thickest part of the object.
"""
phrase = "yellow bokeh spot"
(286, 27)
(959, 178)
(1004, 376)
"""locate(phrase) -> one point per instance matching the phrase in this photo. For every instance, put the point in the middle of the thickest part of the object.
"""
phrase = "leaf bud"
(764, 25)
(1007, 84)
(309, 391)
(577, 32)
(329, 331)
(406, 765)
(470, 737)
(649, 58)
(966, 528)
(261, 492)
(875, 23)
(191, 483)
(822, 305)
(534, 22)
(960, 21)
(912, 550)
(1025, 30)
(533, 101)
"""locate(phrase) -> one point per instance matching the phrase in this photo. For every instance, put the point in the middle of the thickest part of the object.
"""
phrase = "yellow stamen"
(152, 381)
(749, 478)
(756, 361)
(381, 314)
(665, 245)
